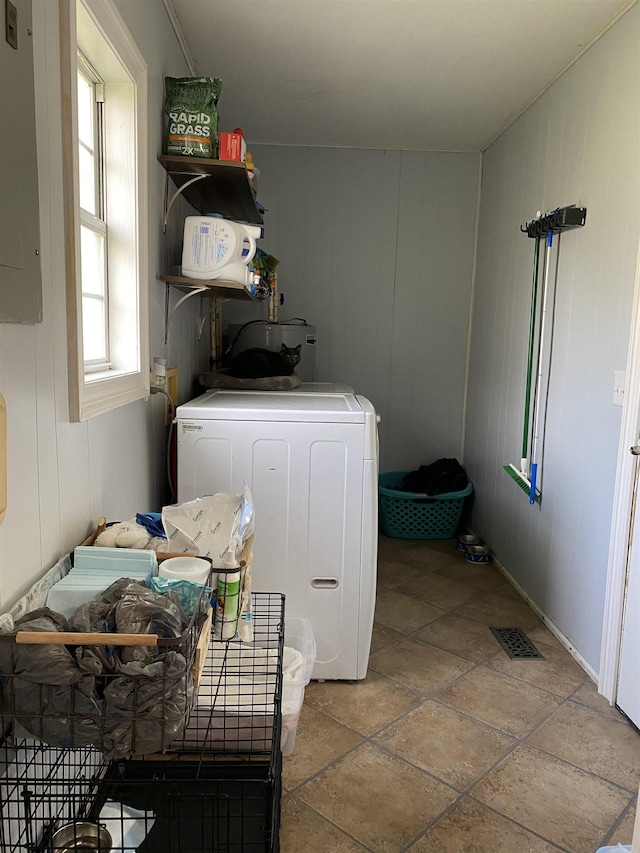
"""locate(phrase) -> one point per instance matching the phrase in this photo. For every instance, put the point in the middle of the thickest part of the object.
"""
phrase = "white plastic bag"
(211, 526)
(127, 826)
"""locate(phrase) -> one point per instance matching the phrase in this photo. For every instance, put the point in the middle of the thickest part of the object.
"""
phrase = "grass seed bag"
(190, 103)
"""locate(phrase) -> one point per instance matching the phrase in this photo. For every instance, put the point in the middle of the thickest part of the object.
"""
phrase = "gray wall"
(579, 143)
(376, 251)
(62, 476)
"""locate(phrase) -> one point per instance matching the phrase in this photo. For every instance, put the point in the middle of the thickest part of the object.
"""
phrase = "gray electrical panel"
(20, 274)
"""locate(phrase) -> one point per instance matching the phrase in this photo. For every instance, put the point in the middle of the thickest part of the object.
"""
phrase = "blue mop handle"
(534, 476)
(536, 436)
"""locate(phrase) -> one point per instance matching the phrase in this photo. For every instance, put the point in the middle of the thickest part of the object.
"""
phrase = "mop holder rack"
(556, 221)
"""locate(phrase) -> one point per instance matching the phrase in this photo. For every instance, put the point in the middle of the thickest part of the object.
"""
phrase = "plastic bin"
(239, 708)
(298, 635)
(407, 515)
(619, 848)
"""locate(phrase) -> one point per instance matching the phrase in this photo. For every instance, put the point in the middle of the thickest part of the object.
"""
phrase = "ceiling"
(413, 74)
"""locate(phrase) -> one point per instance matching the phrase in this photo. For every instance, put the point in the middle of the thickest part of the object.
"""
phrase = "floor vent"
(516, 643)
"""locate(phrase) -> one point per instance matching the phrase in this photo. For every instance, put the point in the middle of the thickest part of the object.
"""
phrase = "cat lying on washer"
(257, 363)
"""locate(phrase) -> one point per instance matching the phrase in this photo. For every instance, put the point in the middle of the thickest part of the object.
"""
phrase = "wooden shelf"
(210, 186)
(223, 187)
(215, 288)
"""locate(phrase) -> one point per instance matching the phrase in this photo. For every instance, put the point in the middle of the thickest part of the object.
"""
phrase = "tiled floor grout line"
(519, 741)
(421, 699)
(618, 823)
(577, 767)
(364, 847)
(373, 740)
(450, 808)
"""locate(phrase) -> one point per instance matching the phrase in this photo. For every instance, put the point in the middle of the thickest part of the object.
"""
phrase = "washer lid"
(299, 405)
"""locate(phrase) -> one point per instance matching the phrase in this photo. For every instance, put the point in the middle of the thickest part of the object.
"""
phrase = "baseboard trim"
(557, 633)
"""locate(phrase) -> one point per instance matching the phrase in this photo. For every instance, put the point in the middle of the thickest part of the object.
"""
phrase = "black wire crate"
(238, 707)
(122, 693)
(56, 800)
(244, 799)
(217, 787)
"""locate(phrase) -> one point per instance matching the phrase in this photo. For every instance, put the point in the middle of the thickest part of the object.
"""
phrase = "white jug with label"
(216, 248)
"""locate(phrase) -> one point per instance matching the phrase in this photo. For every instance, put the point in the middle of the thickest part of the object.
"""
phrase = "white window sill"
(102, 392)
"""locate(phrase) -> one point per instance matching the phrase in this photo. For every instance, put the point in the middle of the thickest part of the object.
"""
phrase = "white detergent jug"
(217, 248)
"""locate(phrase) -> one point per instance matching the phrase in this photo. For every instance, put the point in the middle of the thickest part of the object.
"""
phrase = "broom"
(520, 476)
(537, 439)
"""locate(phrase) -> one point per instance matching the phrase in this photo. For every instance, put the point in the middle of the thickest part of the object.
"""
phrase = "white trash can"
(299, 658)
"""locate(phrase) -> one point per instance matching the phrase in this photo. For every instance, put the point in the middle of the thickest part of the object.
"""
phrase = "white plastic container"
(298, 636)
(194, 569)
(216, 248)
(239, 679)
(619, 848)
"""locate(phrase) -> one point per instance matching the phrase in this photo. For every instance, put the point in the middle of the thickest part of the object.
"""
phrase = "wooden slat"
(71, 638)
(202, 648)
(167, 555)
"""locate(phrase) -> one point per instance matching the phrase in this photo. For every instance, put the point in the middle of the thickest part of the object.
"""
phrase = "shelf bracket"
(169, 204)
(169, 313)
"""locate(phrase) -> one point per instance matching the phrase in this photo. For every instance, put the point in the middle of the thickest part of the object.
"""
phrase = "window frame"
(96, 26)
(96, 220)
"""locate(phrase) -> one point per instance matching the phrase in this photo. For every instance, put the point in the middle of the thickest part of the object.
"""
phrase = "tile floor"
(448, 745)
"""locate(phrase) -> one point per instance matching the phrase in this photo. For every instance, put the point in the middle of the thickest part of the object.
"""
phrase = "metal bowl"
(464, 542)
(79, 836)
(477, 554)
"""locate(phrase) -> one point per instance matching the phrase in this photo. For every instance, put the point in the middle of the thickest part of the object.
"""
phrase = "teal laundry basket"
(407, 515)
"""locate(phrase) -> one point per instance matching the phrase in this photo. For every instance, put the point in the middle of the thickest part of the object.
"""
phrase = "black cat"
(256, 363)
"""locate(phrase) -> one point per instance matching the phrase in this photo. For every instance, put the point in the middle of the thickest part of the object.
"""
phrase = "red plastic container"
(231, 145)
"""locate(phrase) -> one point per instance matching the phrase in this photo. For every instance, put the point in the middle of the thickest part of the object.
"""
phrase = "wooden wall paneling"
(50, 358)
(377, 246)
(409, 346)
(576, 144)
(315, 275)
(369, 246)
(379, 380)
(20, 538)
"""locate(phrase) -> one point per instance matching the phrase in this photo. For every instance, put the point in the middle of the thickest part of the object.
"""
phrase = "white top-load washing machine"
(310, 458)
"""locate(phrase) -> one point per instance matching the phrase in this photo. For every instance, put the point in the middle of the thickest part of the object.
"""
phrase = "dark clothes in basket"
(439, 478)
(42, 685)
(122, 700)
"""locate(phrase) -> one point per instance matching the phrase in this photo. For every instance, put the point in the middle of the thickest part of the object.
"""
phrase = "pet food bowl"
(468, 539)
(81, 835)
(194, 569)
(477, 554)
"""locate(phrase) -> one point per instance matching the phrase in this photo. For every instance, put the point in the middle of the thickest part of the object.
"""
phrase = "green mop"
(554, 222)
(521, 476)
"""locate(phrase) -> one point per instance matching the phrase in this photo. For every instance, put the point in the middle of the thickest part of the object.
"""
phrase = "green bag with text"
(191, 105)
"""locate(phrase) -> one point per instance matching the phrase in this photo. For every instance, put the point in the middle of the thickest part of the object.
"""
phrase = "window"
(104, 123)
(93, 223)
